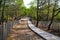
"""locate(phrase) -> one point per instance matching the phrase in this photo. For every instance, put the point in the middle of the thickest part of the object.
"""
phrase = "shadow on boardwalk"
(20, 31)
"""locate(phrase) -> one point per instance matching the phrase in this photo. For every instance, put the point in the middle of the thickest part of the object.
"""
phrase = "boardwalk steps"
(42, 33)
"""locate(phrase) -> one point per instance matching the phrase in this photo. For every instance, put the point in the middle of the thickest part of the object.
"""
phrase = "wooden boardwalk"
(42, 33)
(20, 31)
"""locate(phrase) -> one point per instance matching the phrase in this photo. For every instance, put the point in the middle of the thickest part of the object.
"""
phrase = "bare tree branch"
(57, 9)
(57, 13)
(43, 3)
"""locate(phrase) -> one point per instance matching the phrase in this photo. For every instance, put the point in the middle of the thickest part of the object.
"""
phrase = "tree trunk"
(51, 19)
(50, 23)
(48, 10)
(2, 19)
(37, 24)
(37, 12)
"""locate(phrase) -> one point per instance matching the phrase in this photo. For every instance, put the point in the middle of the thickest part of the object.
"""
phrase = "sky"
(26, 2)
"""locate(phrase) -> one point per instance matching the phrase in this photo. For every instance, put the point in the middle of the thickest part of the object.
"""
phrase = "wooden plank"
(42, 33)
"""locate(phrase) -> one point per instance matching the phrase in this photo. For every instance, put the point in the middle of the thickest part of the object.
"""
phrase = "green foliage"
(11, 9)
(18, 9)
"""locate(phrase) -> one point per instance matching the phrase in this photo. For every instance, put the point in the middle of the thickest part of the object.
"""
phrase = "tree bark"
(37, 12)
(52, 16)
(50, 23)
(2, 19)
(48, 10)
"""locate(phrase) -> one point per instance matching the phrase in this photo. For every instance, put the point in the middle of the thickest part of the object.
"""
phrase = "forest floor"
(20, 31)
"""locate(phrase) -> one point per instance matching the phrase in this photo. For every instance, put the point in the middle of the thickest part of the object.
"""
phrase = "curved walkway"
(20, 31)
